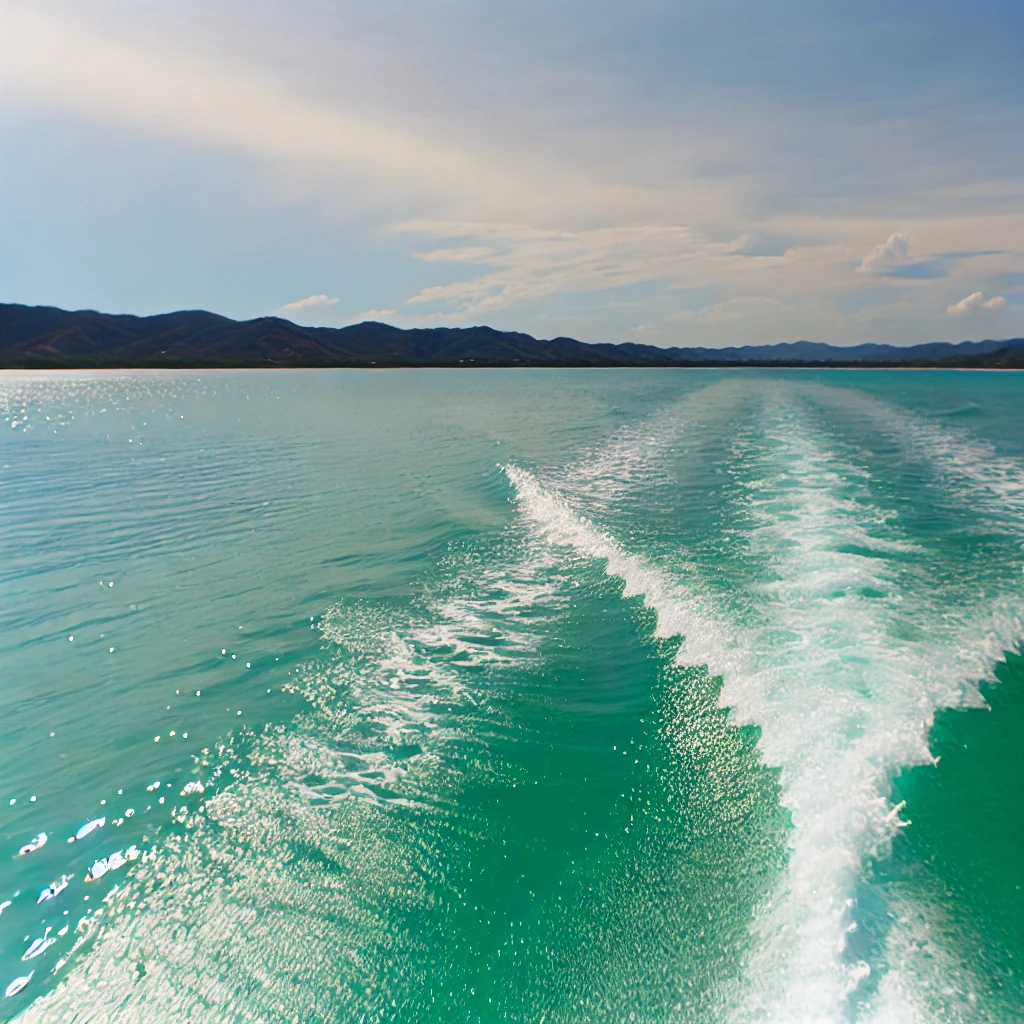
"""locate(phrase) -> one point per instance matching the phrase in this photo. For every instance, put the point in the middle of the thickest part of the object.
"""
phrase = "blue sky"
(673, 173)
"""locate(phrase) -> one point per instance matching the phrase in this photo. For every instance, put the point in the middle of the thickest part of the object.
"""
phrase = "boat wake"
(840, 647)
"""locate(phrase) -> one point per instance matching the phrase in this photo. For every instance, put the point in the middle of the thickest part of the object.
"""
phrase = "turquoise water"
(514, 695)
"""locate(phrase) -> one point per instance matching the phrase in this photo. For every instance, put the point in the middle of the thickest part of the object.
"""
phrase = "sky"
(672, 172)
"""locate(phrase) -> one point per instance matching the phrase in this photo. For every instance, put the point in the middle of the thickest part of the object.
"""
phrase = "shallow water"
(514, 695)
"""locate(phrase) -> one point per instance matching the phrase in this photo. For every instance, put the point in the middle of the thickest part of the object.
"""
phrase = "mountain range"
(44, 337)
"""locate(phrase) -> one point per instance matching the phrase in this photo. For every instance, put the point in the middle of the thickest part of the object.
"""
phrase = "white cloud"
(372, 314)
(310, 302)
(893, 252)
(975, 303)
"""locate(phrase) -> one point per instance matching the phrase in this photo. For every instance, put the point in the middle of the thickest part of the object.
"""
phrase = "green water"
(514, 695)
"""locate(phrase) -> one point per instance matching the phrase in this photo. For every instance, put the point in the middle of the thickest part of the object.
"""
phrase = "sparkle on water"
(560, 696)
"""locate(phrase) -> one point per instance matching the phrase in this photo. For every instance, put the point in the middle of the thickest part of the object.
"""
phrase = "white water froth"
(842, 662)
(856, 654)
(682, 610)
(635, 454)
(971, 464)
(391, 688)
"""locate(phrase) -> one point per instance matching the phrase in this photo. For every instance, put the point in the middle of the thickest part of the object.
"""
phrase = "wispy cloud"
(505, 266)
(523, 264)
(310, 302)
(975, 303)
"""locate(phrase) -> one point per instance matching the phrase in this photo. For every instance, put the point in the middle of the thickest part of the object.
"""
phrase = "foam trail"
(682, 611)
(921, 970)
(841, 704)
(636, 453)
(399, 676)
(856, 653)
(971, 463)
(823, 664)
(396, 688)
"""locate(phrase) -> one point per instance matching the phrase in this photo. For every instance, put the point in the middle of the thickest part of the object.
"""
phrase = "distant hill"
(43, 337)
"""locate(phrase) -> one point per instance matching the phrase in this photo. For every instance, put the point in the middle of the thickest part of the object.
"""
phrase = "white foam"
(843, 700)
(822, 663)
(398, 677)
(682, 610)
(932, 976)
(970, 463)
(635, 454)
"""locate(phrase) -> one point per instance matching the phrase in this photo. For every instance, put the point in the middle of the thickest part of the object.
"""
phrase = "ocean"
(513, 695)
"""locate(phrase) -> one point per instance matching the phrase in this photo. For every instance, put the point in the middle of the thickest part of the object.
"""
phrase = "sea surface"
(513, 695)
